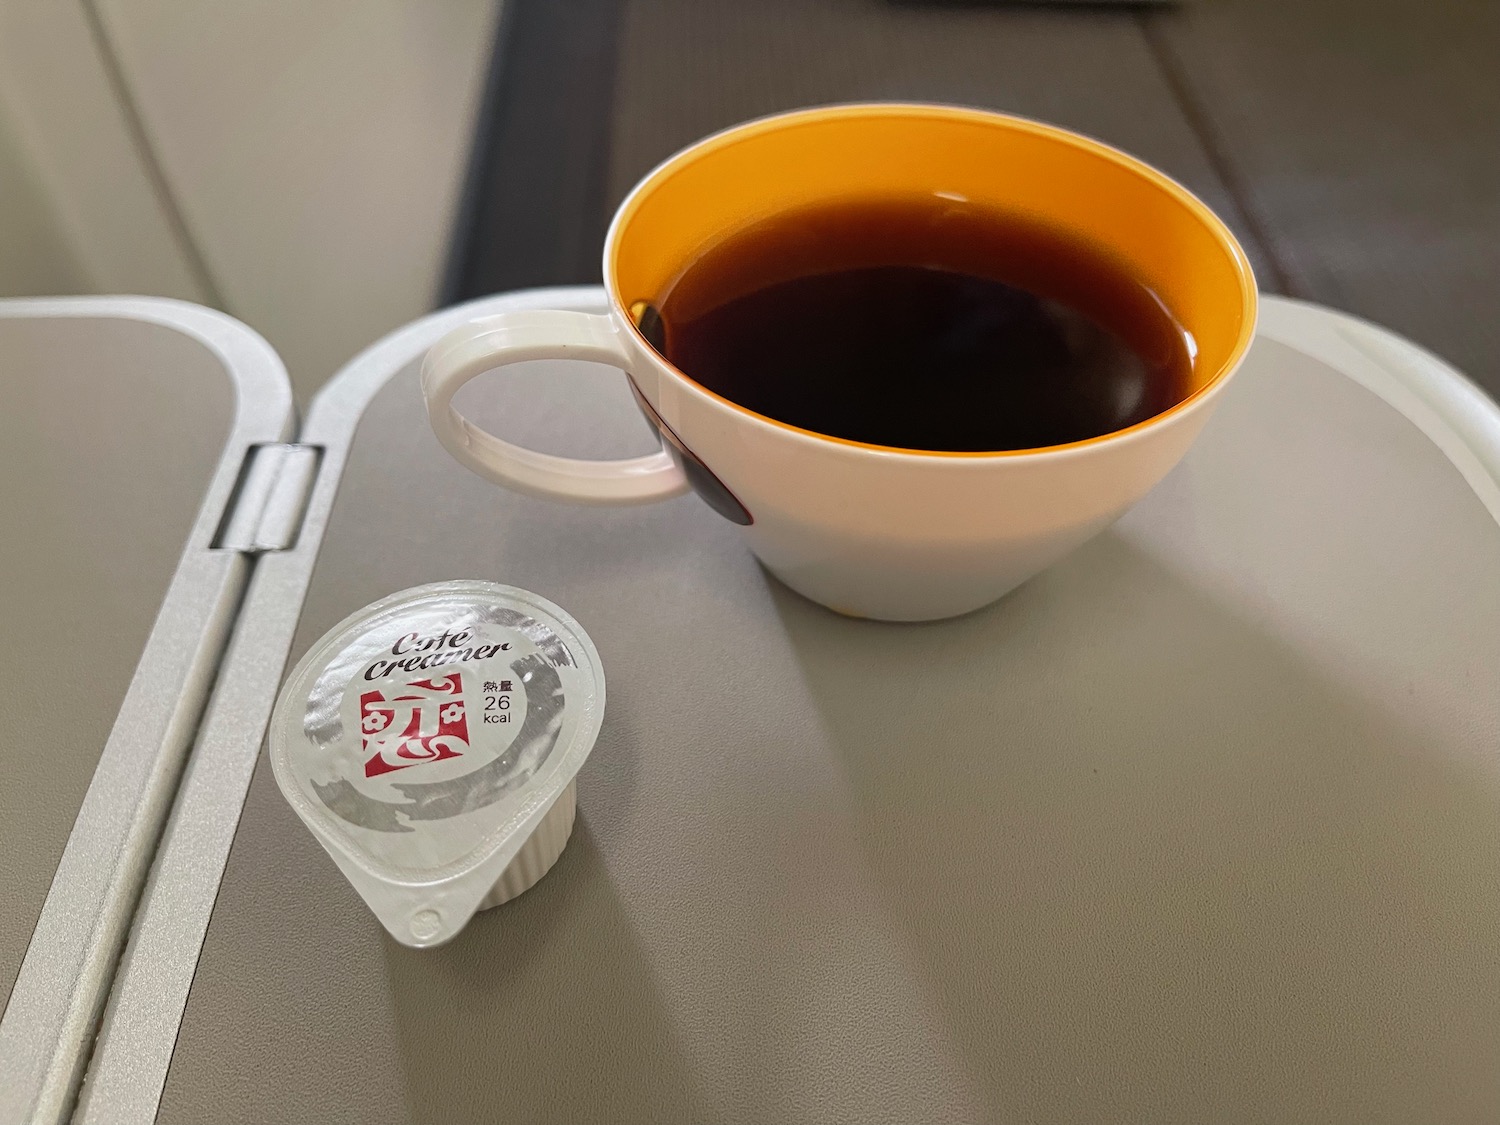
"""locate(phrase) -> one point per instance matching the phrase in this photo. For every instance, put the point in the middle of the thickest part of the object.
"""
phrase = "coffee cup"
(867, 529)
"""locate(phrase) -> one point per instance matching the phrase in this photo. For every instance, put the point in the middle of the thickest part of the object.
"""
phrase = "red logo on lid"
(407, 724)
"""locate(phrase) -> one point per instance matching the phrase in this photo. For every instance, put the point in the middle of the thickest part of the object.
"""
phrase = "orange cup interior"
(1174, 244)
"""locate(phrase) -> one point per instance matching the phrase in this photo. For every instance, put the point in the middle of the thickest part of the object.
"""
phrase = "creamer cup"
(431, 741)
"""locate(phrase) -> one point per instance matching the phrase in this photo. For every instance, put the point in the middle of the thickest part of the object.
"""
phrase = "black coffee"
(925, 323)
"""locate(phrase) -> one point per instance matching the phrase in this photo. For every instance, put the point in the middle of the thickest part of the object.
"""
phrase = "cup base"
(909, 609)
(539, 853)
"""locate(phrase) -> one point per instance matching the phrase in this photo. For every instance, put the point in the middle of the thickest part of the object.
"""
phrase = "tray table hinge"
(269, 500)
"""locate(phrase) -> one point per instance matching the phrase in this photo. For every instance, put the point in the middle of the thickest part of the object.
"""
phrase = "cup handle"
(515, 337)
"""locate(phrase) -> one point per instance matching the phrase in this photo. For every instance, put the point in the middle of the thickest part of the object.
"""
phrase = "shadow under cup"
(953, 514)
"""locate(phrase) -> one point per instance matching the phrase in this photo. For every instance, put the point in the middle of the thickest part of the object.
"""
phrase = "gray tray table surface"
(123, 422)
(1197, 825)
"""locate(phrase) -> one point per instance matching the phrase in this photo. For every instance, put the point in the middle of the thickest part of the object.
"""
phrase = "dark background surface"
(1350, 143)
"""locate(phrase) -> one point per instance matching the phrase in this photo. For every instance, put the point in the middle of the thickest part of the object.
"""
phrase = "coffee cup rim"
(1249, 292)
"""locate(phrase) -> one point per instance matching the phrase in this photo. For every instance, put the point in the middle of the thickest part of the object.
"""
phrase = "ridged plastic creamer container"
(431, 743)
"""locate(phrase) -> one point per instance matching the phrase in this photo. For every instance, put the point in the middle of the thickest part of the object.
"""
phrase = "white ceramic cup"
(869, 531)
